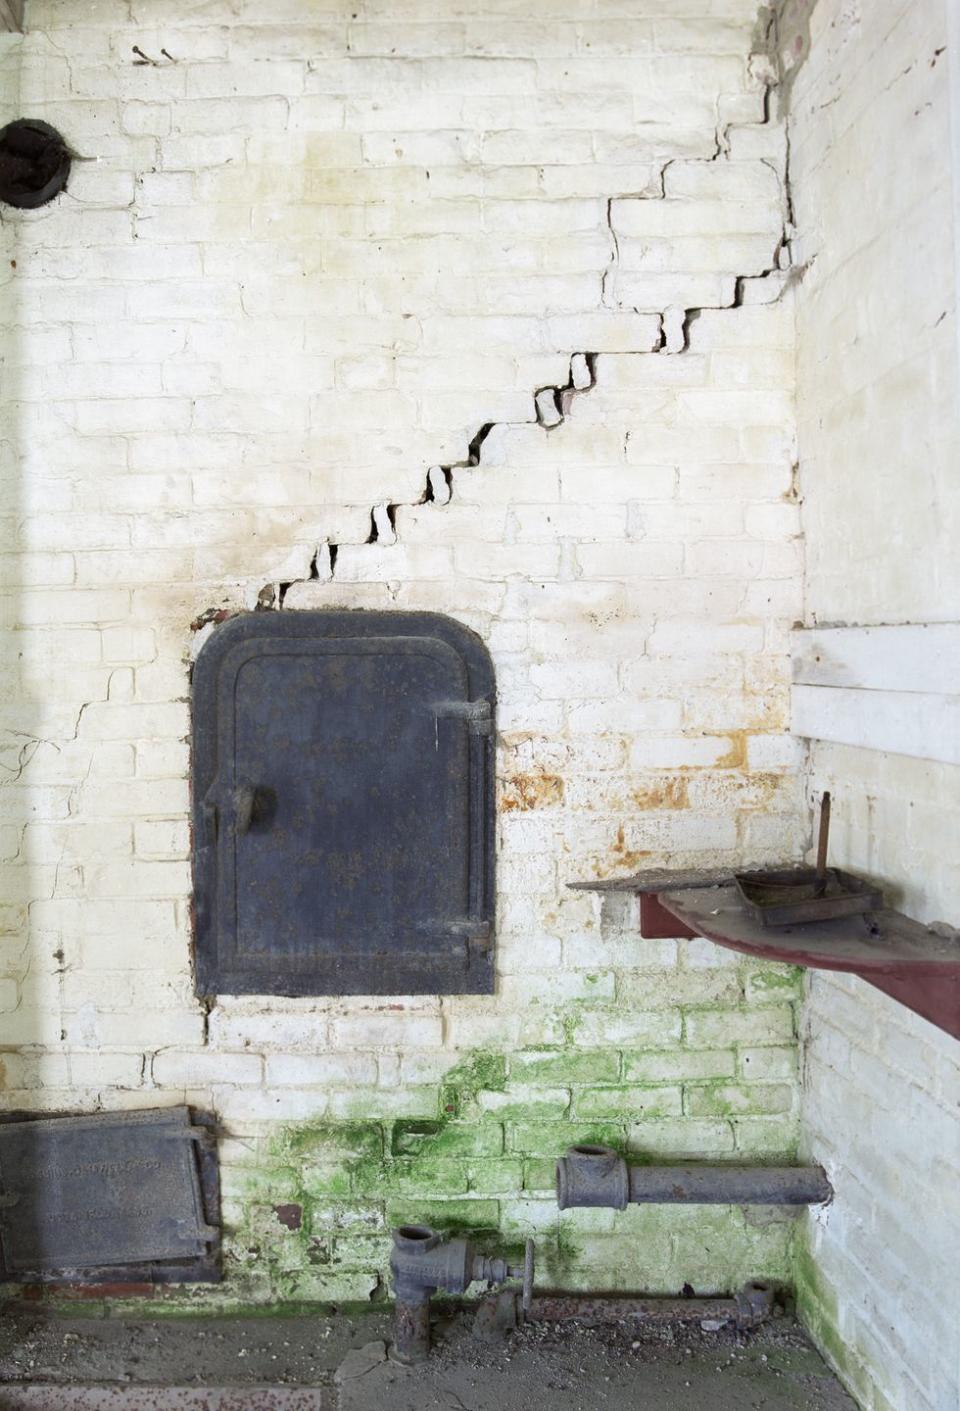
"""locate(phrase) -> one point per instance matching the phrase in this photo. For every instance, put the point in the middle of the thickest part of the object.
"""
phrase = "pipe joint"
(593, 1176)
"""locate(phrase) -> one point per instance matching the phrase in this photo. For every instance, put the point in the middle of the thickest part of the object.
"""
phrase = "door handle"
(244, 800)
(254, 806)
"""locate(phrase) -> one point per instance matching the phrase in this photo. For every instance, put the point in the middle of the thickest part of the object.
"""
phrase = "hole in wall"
(34, 163)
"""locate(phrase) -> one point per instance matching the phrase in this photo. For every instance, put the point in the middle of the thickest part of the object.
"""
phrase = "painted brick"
(191, 1070)
(773, 1025)
(629, 1103)
(288, 290)
(319, 1070)
(871, 1066)
(390, 1030)
(673, 1066)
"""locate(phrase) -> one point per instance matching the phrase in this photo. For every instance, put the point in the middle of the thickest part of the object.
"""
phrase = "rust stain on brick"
(290, 1216)
(522, 792)
(752, 790)
(736, 755)
(672, 792)
(622, 860)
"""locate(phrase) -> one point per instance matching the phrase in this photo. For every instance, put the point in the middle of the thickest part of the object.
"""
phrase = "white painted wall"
(879, 442)
(314, 249)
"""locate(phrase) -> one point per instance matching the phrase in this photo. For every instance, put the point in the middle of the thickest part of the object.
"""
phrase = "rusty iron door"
(343, 806)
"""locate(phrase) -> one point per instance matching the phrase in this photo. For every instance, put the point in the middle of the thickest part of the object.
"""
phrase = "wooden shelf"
(908, 961)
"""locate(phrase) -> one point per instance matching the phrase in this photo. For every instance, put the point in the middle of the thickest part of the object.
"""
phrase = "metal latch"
(477, 714)
(475, 933)
(461, 928)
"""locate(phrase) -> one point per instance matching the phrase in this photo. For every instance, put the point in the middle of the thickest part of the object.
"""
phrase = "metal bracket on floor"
(503, 1312)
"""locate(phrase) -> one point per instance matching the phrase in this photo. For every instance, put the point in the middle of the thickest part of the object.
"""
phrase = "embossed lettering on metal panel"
(343, 805)
(99, 1191)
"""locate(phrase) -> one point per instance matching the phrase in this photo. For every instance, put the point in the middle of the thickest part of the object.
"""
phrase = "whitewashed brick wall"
(879, 433)
(308, 257)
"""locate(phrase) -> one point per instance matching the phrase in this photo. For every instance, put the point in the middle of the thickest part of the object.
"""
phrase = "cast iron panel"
(343, 806)
(106, 1198)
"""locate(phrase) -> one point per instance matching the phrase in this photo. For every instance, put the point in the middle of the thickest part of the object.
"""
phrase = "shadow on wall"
(33, 167)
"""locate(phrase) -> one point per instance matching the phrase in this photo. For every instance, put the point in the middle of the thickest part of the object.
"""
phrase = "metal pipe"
(411, 1329)
(729, 1185)
(599, 1176)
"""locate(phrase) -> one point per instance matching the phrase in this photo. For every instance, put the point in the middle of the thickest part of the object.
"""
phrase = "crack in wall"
(551, 407)
(552, 403)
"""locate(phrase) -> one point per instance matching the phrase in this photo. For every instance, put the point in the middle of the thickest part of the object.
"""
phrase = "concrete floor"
(281, 1364)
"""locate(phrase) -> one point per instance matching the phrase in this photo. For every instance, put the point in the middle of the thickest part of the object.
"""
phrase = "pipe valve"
(421, 1262)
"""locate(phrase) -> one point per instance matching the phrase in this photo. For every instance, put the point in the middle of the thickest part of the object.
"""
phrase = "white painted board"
(923, 724)
(921, 657)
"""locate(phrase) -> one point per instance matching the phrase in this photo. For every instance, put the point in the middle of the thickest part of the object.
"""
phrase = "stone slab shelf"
(915, 965)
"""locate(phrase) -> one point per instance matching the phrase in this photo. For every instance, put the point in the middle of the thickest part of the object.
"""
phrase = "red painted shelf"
(913, 964)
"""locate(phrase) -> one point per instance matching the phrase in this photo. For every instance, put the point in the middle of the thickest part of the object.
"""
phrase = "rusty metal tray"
(797, 895)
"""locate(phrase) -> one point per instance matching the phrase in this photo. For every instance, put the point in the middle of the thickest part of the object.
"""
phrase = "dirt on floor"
(291, 1364)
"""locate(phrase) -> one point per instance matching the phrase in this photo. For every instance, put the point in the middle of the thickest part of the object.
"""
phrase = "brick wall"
(306, 260)
(879, 446)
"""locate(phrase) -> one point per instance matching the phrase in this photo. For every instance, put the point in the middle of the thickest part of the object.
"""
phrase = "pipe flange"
(415, 1239)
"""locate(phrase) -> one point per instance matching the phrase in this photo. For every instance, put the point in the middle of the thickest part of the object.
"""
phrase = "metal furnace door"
(343, 806)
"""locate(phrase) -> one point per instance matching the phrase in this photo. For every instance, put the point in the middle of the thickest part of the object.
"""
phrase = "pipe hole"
(588, 1150)
(415, 1232)
(34, 163)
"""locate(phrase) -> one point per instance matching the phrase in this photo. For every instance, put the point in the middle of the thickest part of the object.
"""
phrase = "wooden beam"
(880, 688)
(901, 722)
(916, 657)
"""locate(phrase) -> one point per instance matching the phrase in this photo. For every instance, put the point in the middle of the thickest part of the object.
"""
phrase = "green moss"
(478, 1160)
(503, 1177)
(551, 1139)
(332, 1140)
(569, 1250)
(447, 1138)
(450, 1217)
(725, 1099)
(781, 981)
(412, 1174)
(540, 1175)
(565, 1068)
(817, 1304)
(357, 1252)
(462, 1085)
(819, 1310)
(630, 1100)
(536, 1107)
